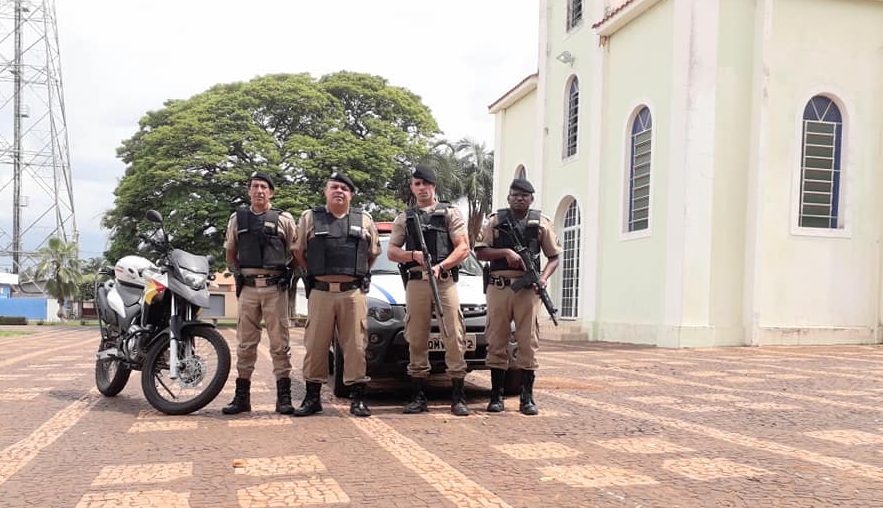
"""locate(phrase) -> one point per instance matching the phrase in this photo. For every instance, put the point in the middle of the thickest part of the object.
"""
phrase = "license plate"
(437, 344)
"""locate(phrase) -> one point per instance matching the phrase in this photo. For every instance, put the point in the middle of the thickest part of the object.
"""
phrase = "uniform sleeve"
(290, 228)
(232, 236)
(373, 236)
(486, 234)
(456, 224)
(548, 239)
(397, 236)
(304, 227)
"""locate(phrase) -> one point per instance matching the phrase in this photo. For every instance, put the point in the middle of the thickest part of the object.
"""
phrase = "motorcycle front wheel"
(203, 366)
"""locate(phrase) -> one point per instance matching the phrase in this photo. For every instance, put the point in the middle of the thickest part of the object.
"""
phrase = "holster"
(486, 275)
(308, 286)
(240, 283)
(403, 271)
(366, 283)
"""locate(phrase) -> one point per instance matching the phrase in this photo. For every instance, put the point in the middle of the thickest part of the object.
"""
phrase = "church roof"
(612, 13)
(518, 91)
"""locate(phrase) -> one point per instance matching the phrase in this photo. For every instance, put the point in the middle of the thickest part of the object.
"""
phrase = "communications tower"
(36, 194)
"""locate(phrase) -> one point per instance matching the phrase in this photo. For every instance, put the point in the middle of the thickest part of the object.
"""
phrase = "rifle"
(427, 270)
(530, 277)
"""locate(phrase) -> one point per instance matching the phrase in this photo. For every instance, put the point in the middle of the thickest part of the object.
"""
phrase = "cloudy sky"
(123, 58)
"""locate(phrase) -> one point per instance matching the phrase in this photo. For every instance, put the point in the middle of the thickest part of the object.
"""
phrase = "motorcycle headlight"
(379, 310)
(193, 279)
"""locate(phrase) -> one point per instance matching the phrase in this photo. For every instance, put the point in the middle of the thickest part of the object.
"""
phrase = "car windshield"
(469, 266)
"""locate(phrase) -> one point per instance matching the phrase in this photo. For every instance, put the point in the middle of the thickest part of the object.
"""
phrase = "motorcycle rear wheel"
(193, 389)
(111, 376)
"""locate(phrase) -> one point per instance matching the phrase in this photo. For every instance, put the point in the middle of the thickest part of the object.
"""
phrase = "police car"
(387, 350)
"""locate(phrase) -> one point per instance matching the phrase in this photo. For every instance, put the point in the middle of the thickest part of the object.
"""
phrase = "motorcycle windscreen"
(198, 264)
(193, 263)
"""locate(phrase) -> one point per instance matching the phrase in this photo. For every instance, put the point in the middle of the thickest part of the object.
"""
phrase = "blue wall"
(31, 308)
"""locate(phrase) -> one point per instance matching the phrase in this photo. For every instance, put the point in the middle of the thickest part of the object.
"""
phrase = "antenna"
(35, 175)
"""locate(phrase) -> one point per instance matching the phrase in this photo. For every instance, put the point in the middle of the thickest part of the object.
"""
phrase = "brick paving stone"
(143, 473)
(643, 445)
(595, 476)
(311, 491)
(704, 469)
(535, 451)
(137, 499)
(847, 437)
(436, 459)
(275, 466)
(163, 426)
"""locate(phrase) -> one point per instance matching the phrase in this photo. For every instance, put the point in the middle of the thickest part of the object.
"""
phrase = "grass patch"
(12, 333)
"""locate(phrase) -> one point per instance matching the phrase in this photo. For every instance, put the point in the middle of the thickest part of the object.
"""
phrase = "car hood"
(389, 288)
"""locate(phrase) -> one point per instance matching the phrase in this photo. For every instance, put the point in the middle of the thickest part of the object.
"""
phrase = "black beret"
(424, 173)
(258, 175)
(342, 178)
(522, 185)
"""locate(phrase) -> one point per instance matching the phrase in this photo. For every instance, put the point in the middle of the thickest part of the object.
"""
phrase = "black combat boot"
(283, 396)
(498, 379)
(527, 406)
(312, 404)
(357, 404)
(241, 398)
(418, 398)
(458, 398)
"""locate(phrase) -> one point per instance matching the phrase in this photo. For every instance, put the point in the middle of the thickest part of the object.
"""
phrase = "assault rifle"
(427, 271)
(530, 277)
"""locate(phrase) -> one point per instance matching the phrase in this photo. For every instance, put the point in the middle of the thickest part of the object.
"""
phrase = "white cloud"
(122, 59)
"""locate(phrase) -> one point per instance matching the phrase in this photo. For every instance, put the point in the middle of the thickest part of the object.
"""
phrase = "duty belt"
(421, 275)
(260, 281)
(337, 287)
(501, 282)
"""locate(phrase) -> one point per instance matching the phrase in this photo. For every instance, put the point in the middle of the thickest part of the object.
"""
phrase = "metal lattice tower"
(35, 175)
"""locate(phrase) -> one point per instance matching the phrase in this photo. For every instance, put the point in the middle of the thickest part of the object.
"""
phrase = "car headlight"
(193, 279)
(379, 310)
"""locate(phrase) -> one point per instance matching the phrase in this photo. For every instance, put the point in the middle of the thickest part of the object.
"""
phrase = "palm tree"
(59, 266)
(477, 181)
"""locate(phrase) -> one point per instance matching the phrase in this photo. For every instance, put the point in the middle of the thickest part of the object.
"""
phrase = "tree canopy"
(190, 160)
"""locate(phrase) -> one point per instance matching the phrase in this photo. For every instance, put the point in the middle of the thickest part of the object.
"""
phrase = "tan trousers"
(503, 306)
(418, 298)
(271, 305)
(348, 313)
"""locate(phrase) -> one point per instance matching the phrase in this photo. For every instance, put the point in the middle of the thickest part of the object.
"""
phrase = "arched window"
(574, 13)
(571, 118)
(520, 172)
(820, 164)
(639, 171)
(570, 262)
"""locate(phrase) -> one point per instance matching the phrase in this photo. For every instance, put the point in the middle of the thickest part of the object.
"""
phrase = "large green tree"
(59, 266)
(190, 159)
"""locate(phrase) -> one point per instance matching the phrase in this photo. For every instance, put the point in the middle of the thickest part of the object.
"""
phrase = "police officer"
(495, 244)
(337, 245)
(260, 241)
(446, 239)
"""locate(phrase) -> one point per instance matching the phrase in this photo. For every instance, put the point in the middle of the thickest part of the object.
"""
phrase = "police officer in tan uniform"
(444, 231)
(260, 241)
(337, 245)
(505, 305)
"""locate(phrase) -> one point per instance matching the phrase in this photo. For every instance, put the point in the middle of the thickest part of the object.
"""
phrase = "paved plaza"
(620, 425)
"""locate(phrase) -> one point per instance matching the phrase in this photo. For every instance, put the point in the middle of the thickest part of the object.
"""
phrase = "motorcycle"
(149, 320)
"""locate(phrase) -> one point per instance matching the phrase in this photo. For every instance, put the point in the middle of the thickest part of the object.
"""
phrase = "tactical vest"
(528, 231)
(435, 232)
(338, 246)
(261, 242)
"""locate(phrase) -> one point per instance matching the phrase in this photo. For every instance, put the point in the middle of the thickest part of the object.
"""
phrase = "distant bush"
(13, 320)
